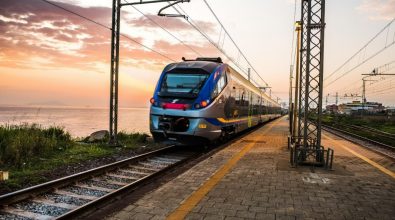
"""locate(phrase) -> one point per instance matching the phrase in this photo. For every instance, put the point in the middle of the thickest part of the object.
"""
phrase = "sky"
(51, 57)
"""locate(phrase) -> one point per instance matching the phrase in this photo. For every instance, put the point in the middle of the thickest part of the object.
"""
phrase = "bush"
(20, 143)
(131, 139)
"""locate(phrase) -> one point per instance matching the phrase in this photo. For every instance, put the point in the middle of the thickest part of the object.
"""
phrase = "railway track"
(70, 196)
(376, 133)
(373, 145)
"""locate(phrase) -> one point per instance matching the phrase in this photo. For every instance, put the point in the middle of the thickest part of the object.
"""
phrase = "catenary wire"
(195, 26)
(106, 27)
(164, 29)
(230, 37)
(360, 50)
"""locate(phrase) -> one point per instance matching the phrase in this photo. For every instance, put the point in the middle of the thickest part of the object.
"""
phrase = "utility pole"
(249, 74)
(329, 95)
(375, 72)
(297, 80)
(311, 71)
(326, 100)
(307, 148)
(115, 35)
(364, 80)
(290, 105)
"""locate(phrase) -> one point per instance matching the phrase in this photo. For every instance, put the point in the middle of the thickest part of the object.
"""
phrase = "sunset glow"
(49, 56)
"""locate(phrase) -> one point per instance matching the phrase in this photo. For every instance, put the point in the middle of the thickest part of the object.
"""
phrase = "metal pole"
(363, 91)
(302, 71)
(326, 100)
(290, 105)
(321, 73)
(307, 76)
(115, 33)
(116, 10)
(296, 108)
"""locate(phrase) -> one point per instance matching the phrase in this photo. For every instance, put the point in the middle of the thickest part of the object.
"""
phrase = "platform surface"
(252, 179)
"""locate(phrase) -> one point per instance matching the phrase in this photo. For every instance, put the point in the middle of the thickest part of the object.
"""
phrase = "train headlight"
(203, 103)
(202, 125)
(152, 101)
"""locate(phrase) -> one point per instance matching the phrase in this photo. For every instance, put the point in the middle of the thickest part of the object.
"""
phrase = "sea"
(79, 122)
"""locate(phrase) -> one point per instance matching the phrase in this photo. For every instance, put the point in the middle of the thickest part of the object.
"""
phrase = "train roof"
(251, 86)
(206, 66)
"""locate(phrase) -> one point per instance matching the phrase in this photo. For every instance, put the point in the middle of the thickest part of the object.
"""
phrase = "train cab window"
(221, 83)
(175, 84)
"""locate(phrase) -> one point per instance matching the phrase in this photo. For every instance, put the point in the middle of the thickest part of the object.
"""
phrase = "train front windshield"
(184, 85)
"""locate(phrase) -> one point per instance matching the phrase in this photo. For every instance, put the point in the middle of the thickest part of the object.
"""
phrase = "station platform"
(252, 179)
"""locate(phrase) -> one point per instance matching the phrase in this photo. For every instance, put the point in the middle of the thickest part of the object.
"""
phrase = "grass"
(32, 173)
(129, 140)
(344, 122)
(383, 125)
(28, 151)
(20, 143)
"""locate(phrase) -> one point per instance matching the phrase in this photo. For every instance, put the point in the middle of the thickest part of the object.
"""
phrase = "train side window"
(237, 96)
(221, 83)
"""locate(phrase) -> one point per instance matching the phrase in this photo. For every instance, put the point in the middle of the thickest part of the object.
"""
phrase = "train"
(205, 101)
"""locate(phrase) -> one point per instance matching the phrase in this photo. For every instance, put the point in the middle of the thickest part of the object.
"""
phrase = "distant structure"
(355, 107)
(332, 109)
(390, 111)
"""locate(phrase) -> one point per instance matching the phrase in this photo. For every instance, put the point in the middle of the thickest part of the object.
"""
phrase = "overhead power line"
(191, 22)
(106, 27)
(200, 30)
(211, 41)
(164, 29)
(378, 70)
(235, 44)
(385, 68)
(388, 43)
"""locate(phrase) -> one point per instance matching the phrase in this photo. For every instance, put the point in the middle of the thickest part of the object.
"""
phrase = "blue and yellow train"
(205, 100)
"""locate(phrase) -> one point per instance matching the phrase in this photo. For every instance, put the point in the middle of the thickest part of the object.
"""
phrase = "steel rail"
(354, 137)
(368, 129)
(51, 186)
(378, 131)
(161, 160)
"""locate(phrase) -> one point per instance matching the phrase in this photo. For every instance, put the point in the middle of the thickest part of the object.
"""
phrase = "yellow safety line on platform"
(371, 162)
(198, 195)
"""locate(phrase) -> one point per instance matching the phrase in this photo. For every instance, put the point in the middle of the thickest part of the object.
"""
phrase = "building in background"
(356, 107)
(333, 109)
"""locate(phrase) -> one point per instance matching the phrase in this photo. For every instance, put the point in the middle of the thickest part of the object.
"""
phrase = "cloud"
(378, 9)
(172, 24)
(32, 30)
